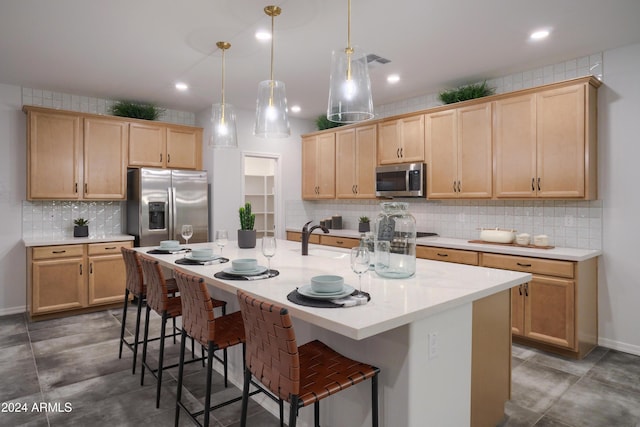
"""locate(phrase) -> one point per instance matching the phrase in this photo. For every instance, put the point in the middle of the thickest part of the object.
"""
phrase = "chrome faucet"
(306, 232)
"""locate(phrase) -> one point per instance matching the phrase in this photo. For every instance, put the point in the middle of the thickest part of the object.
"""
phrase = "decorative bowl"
(244, 264)
(327, 283)
(168, 244)
(497, 235)
(202, 253)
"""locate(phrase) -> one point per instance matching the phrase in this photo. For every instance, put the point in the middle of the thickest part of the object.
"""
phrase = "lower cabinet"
(65, 278)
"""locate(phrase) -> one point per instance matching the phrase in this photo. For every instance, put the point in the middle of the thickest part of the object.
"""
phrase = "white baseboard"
(620, 346)
(13, 310)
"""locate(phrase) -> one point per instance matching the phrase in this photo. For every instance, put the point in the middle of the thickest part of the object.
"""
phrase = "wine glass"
(360, 257)
(187, 232)
(222, 238)
(268, 250)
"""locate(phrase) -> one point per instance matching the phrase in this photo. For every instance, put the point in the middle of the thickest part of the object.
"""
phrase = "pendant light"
(223, 117)
(272, 120)
(349, 86)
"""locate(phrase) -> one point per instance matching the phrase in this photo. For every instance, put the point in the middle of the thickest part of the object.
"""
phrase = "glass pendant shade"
(349, 87)
(272, 116)
(223, 127)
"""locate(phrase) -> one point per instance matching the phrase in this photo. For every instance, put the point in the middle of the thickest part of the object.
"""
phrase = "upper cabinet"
(458, 152)
(319, 166)
(165, 146)
(356, 163)
(401, 140)
(73, 157)
(545, 143)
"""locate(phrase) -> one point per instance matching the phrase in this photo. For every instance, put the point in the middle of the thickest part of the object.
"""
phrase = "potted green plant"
(136, 110)
(363, 224)
(81, 227)
(246, 233)
(464, 93)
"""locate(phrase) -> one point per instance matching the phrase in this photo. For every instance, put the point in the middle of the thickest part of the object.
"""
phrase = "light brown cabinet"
(75, 157)
(319, 166)
(458, 152)
(448, 255)
(557, 309)
(165, 146)
(356, 163)
(401, 140)
(545, 143)
(69, 278)
(339, 242)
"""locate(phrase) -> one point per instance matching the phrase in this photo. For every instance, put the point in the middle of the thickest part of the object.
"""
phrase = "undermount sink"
(325, 253)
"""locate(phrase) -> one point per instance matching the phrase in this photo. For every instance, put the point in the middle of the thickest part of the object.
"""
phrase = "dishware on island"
(222, 238)
(523, 239)
(327, 283)
(187, 232)
(202, 253)
(360, 258)
(169, 244)
(244, 264)
(541, 240)
(268, 250)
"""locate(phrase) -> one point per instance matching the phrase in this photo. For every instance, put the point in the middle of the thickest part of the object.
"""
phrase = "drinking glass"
(360, 257)
(268, 250)
(187, 232)
(222, 238)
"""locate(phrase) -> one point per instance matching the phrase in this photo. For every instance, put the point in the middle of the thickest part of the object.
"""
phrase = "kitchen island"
(420, 331)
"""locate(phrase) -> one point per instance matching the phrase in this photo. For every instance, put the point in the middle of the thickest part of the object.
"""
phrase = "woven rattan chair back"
(133, 267)
(157, 293)
(197, 308)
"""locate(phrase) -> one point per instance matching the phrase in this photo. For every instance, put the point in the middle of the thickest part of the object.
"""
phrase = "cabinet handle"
(160, 157)
(538, 183)
(58, 252)
(533, 184)
(454, 186)
(401, 152)
(90, 268)
(459, 190)
(81, 269)
(340, 242)
(520, 289)
(168, 158)
(110, 248)
(524, 265)
(86, 187)
(526, 289)
(76, 190)
(442, 255)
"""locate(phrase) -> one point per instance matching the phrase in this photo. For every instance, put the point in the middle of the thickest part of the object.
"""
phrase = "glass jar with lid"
(395, 241)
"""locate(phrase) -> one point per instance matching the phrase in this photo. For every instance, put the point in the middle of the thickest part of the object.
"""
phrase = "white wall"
(13, 176)
(619, 179)
(226, 170)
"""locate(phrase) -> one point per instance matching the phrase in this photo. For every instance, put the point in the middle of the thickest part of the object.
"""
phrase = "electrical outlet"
(433, 345)
(569, 221)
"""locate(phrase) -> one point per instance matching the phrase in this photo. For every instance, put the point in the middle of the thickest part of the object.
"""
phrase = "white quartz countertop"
(566, 254)
(436, 286)
(70, 240)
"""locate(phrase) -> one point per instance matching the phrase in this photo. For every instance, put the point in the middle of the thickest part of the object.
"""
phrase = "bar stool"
(200, 323)
(135, 286)
(298, 375)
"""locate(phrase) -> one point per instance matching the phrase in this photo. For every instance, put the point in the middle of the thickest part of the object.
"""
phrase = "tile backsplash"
(573, 224)
(54, 219)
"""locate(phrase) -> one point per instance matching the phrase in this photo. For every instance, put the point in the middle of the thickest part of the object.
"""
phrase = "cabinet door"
(57, 285)
(346, 160)
(441, 137)
(388, 143)
(54, 156)
(365, 162)
(549, 311)
(517, 309)
(326, 169)
(475, 164)
(561, 142)
(184, 148)
(309, 165)
(107, 278)
(515, 147)
(147, 145)
(105, 159)
(412, 139)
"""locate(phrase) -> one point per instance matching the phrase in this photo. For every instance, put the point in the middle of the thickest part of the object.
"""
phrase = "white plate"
(201, 259)
(172, 249)
(307, 292)
(259, 270)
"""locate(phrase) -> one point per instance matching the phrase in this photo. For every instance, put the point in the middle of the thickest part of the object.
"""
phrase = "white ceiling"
(137, 50)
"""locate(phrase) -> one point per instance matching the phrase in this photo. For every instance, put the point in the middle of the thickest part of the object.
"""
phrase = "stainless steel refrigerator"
(160, 201)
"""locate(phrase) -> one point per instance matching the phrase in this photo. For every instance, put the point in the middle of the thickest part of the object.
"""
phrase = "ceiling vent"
(374, 60)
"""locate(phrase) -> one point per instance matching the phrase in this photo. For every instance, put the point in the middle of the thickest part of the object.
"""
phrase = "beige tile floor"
(74, 361)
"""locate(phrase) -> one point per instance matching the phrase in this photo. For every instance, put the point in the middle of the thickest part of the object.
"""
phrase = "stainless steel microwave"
(401, 180)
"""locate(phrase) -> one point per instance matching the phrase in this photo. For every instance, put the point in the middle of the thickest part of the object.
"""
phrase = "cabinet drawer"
(341, 242)
(448, 255)
(107, 248)
(62, 251)
(296, 236)
(530, 265)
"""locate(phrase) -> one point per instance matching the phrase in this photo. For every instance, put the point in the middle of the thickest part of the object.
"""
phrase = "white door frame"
(278, 205)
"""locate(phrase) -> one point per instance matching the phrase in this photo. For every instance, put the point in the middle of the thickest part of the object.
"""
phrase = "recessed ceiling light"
(393, 78)
(539, 35)
(263, 35)
(295, 108)
(182, 86)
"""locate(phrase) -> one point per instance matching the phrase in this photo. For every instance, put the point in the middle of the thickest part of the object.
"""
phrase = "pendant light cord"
(349, 49)
(223, 51)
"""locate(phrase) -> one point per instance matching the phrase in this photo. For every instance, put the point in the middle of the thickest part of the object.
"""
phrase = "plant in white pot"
(81, 227)
(246, 234)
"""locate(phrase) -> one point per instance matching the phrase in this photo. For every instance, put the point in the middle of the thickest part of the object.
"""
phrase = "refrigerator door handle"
(172, 211)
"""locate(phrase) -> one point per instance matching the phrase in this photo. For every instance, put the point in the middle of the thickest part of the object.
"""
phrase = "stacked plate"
(245, 267)
(326, 286)
(202, 255)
